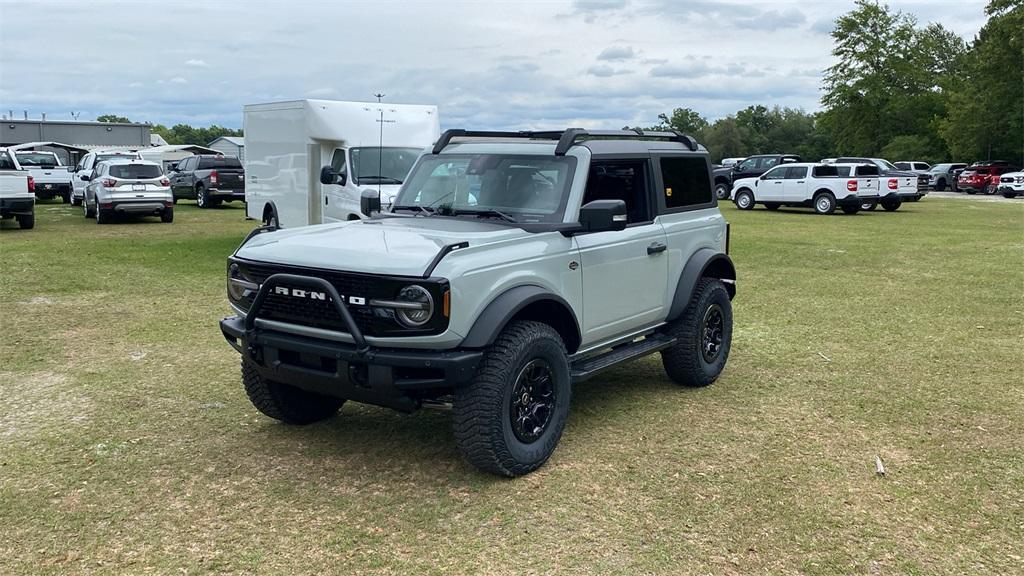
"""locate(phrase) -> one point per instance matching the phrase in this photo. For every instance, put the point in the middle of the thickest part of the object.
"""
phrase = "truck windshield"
(527, 189)
(373, 165)
(41, 159)
(102, 157)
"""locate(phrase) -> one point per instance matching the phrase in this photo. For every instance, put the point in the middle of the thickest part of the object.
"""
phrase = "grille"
(321, 313)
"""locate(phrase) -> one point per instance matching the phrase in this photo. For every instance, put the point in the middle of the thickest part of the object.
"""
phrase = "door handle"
(800, 181)
(656, 247)
(326, 200)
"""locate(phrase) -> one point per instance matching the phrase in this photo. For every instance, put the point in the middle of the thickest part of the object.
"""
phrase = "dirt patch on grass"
(38, 402)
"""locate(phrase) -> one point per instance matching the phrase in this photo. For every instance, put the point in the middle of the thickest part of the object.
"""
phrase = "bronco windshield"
(522, 189)
(374, 165)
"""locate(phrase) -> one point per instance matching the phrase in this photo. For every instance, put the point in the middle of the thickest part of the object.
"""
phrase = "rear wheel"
(891, 205)
(103, 216)
(722, 191)
(744, 200)
(202, 200)
(772, 205)
(869, 206)
(510, 418)
(850, 208)
(703, 336)
(940, 185)
(167, 215)
(26, 221)
(825, 203)
(286, 403)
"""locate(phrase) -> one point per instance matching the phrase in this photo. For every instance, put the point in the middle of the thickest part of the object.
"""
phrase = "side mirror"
(603, 216)
(70, 168)
(329, 176)
(85, 177)
(369, 201)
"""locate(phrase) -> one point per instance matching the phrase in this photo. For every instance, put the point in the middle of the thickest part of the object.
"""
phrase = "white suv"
(510, 266)
(811, 185)
(120, 186)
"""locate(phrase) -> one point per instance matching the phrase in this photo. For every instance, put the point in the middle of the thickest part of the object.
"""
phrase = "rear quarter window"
(686, 181)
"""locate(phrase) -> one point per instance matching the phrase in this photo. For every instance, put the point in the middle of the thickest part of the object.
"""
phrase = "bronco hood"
(394, 246)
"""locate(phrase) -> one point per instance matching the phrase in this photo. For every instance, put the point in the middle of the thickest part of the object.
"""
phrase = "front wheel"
(75, 201)
(745, 200)
(509, 419)
(703, 336)
(891, 205)
(825, 203)
(286, 403)
(1009, 194)
(722, 191)
(850, 208)
(86, 210)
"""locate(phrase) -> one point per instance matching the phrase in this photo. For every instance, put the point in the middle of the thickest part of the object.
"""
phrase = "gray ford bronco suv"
(511, 266)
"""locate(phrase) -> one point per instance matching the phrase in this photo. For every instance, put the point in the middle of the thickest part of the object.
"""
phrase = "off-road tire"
(744, 200)
(167, 215)
(722, 191)
(824, 203)
(891, 205)
(481, 411)
(684, 362)
(26, 221)
(869, 206)
(850, 208)
(286, 403)
(772, 205)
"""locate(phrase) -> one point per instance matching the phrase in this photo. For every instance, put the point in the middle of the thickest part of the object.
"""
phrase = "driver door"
(337, 206)
(625, 272)
(771, 186)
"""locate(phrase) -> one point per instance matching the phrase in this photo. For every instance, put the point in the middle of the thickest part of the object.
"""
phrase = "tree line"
(897, 90)
(180, 133)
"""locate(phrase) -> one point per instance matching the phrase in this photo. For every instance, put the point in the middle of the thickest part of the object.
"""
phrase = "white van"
(367, 146)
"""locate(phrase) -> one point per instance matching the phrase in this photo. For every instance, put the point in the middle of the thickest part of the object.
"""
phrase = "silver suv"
(510, 266)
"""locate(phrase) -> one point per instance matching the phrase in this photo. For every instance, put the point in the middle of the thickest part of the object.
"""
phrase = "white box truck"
(367, 146)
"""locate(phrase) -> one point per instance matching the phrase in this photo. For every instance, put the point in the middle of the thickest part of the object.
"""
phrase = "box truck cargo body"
(373, 145)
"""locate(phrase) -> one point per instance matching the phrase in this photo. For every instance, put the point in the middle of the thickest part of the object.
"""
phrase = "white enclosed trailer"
(372, 146)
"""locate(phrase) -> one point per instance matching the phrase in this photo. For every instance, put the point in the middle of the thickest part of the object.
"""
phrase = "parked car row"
(984, 177)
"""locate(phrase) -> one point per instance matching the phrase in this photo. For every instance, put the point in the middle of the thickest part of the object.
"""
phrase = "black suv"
(752, 167)
(209, 179)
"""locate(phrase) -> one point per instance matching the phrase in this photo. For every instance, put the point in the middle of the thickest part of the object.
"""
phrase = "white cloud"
(178, 80)
(616, 53)
(197, 63)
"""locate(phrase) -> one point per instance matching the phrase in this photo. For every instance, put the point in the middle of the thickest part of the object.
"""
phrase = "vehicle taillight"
(109, 182)
(893, 184)
(165, 182)
(31, 184)
(851, 185)
(213, 177)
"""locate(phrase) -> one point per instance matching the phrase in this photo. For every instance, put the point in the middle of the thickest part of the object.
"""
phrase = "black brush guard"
(395, 378)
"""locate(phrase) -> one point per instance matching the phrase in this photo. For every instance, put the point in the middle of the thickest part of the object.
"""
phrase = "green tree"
(684, 120)
(985, 111)
(113, 118)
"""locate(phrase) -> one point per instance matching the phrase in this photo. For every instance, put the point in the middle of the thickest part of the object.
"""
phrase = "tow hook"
(255, 353)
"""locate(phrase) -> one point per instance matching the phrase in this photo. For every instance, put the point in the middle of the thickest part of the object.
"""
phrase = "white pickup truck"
(806, 184)
(52, 178)
(16, 191)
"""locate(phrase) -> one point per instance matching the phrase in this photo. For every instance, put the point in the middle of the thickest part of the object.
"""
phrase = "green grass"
(127, 444)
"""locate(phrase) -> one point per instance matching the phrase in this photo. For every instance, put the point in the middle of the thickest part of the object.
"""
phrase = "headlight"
(240, 287)
(413, 307)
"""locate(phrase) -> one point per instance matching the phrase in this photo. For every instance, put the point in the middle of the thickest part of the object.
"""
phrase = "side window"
(775, 174)
(767, 163)
(686, 181)
(5, 162)
(189, 163)
(843, 171)
(748, 165)
(338, 163)
(624, 180)
(796, 173)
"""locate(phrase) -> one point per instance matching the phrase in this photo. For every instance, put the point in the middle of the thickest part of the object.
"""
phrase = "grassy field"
(127, 444)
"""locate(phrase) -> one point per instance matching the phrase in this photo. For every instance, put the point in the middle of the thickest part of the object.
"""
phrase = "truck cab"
(17, 187)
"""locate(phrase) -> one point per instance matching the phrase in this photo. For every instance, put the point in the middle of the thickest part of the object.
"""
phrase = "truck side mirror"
(369, 201)
(329, 176)
(603, 216)
(85, 177)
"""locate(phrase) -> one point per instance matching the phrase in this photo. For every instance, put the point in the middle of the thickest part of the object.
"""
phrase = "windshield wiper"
(486, 212)
(379, 179)
(422, 209)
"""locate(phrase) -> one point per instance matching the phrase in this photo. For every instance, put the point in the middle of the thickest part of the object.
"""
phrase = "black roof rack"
(567, 137)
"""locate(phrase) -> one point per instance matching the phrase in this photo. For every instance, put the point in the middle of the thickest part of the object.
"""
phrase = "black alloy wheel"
(712, 330)
(533, 401)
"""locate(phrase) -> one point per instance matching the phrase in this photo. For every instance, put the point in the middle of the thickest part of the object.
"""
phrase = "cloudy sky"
(522, 64)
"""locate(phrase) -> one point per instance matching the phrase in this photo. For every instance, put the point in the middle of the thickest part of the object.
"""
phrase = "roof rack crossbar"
(566, 138)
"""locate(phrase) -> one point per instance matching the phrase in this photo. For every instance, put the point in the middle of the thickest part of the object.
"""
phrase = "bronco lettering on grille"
(313, 295)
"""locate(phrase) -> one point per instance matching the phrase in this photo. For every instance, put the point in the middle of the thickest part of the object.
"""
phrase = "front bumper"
(16, 206)
(1010, 188)
(394, 378)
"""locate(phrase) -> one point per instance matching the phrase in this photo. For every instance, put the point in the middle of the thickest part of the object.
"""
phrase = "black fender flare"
(500, 311)
(703, 262)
